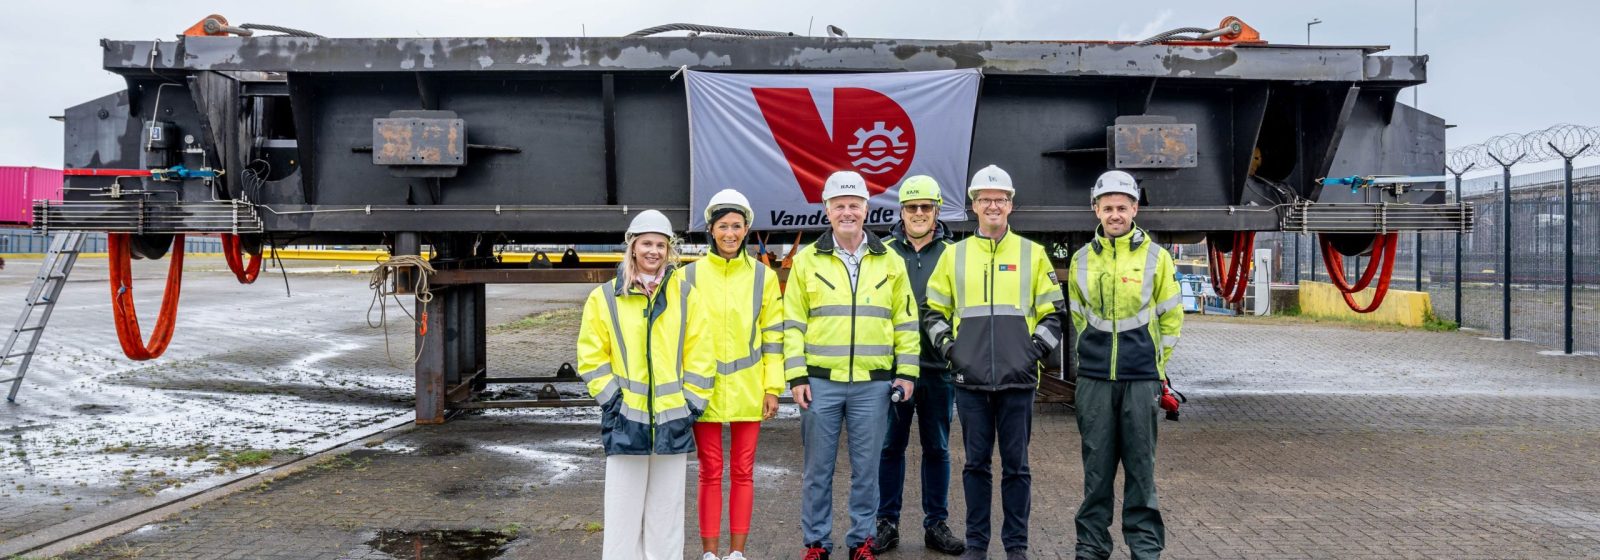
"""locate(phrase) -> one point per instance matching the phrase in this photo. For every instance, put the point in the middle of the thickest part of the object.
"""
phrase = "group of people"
(870, 335)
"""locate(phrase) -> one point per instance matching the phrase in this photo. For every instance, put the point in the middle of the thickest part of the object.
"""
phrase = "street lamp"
(1313, 21)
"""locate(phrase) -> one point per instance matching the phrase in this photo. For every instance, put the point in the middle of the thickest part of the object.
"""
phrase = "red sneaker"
(814, 551)
(863, 551)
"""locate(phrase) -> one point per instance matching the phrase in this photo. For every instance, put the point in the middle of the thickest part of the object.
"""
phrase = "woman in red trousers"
(746, 322)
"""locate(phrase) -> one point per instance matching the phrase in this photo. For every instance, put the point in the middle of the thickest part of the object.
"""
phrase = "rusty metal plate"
(419, 141)
(1154, 146)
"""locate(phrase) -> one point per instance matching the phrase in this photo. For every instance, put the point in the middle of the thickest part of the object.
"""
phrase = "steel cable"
(695, 27)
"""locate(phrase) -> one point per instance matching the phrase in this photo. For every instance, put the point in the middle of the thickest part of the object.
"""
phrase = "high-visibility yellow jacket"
(1114, 286)
(994, 310)
(648, 361)
(836, 331)
(745, 314)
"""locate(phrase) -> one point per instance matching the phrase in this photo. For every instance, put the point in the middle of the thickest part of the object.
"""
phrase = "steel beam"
(740, 54)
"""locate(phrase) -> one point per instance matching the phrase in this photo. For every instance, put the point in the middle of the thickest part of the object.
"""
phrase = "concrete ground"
(1300, 440)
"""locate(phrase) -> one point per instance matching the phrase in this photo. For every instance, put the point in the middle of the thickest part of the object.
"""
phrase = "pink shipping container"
(20, 186)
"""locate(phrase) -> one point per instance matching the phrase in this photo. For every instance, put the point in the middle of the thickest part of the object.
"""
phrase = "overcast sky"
(1496, 66)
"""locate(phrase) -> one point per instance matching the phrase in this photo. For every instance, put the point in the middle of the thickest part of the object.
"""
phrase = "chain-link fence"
(1538, 260)
(25, 241)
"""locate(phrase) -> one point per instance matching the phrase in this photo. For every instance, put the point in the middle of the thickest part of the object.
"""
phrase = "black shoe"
(887, 536)
(939, 538)
(1017, 554)
(814, 551)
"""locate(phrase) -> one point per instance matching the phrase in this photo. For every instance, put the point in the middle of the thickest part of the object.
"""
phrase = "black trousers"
(1003, 417)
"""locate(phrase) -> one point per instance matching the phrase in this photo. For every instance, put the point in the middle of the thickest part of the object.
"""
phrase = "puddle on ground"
(455, 544)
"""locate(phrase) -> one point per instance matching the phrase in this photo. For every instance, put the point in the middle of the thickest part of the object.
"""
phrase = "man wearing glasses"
(920, 239)
(994, 310)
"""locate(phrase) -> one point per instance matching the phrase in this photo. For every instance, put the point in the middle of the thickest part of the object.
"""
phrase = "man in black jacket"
(994, 309)
(920, 239)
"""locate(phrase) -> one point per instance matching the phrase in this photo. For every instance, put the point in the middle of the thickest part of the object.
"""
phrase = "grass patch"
(1431, 322)
(566, 317)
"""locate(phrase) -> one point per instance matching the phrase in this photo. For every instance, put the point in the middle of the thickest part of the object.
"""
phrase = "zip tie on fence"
(380, 278)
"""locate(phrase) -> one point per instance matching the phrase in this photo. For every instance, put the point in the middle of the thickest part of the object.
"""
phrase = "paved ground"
(1301, 440)
(252, 379)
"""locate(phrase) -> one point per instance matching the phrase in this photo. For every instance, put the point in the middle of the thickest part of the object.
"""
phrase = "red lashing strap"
(1231, 286)
(122, 309)
(230, 252)
(1382, 257)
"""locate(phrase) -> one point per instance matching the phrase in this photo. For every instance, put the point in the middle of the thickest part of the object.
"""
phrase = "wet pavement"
(252, 379)
(1300, 440)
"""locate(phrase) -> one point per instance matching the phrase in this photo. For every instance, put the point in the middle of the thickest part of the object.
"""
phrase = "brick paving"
(1300, 440)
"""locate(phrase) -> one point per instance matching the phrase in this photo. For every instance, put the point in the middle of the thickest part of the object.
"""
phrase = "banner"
(777, 138)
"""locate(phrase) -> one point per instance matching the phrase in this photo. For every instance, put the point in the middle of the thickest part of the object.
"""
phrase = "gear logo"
(875, 149)
(870, 133)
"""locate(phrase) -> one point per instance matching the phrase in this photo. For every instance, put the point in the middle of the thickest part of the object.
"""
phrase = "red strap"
(230, 253)
(106, 172)
(122, 308)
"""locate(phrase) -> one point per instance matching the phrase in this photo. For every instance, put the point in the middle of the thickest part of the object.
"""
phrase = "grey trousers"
(1117, 422)
(859, 409)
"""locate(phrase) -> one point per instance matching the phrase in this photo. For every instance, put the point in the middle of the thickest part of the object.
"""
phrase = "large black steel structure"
(461, 143)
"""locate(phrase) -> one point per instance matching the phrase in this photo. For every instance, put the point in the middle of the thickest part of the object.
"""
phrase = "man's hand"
(907, 386)
(802, 396)
(769, 407)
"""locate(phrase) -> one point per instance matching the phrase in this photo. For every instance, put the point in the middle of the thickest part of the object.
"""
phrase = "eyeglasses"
(992, 201)
(919, 208)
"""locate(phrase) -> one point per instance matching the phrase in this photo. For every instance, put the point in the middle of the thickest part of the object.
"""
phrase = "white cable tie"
(681, 69)
(369, 209)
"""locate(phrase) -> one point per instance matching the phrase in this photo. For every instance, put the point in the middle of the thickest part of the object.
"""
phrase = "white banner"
(777, 138)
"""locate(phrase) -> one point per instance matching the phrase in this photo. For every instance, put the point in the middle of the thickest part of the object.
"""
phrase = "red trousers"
(708, 446)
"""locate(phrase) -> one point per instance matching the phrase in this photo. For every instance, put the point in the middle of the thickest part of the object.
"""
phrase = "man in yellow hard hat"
(920, 238)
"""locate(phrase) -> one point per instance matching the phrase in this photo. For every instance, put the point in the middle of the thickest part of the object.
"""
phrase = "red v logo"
(871, 134)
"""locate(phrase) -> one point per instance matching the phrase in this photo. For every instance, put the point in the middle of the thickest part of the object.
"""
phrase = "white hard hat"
(845, 183)
(1114, 182)
(729, 198)
(991, 177)
(650, 221)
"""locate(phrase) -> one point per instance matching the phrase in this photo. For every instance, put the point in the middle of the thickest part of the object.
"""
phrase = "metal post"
(1417, 248)
(1505, 243)
(1459, 237)
(1297, 259)
(1566, 302)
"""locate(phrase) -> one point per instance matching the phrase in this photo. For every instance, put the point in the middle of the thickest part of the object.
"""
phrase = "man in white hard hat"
(1115, 283)
(994, 310)
(850, 333)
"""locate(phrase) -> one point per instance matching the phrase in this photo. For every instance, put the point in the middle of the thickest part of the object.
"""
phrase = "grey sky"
(1496, 66)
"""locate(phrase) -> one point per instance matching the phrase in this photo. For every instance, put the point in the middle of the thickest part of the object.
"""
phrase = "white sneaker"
(709, 556)
(735, 555)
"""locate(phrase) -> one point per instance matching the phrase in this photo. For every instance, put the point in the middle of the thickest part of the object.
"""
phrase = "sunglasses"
(919, 208)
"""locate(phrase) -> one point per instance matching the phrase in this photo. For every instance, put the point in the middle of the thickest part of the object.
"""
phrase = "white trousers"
(644, 507)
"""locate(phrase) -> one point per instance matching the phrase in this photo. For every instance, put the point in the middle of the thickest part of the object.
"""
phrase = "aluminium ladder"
(64, 248)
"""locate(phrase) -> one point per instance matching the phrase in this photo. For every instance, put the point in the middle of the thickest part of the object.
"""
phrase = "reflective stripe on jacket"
(841, 332)
(745, 317)
(649, 364)
(919, 267)
(996, 306)
(1115, 285)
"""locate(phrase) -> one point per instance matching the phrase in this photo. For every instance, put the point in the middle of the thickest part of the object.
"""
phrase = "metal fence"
(1537, 264)
(22, 240)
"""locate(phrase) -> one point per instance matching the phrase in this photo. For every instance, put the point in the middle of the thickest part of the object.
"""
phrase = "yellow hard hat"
(921, 187)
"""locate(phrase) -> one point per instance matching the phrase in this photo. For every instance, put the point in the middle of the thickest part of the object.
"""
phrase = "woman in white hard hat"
(646, 356)
(746, 322)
